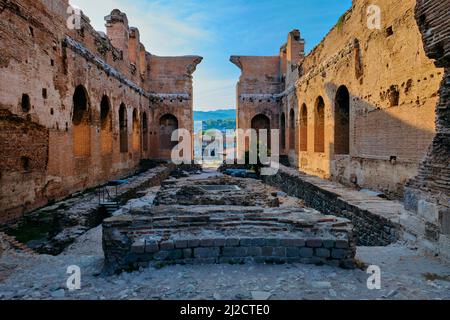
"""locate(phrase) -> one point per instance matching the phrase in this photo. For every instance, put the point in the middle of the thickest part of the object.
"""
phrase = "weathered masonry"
(360, 109)
(225, 220)
(80, 107)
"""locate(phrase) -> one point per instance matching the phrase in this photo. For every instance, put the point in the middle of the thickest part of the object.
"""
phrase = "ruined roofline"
(117, 16)
(110, 71)
(236, 60)
(343, 18)
(191, 66)
(294, 37)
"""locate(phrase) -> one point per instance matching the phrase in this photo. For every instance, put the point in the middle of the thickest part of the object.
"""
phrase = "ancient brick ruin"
(225, 220)
(364, 121)
(360, 109)
(79, 107)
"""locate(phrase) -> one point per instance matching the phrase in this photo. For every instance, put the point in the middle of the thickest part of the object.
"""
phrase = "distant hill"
(214, 115)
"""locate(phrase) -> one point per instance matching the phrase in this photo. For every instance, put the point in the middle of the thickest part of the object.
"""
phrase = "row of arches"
(82, 123)
(341, 125)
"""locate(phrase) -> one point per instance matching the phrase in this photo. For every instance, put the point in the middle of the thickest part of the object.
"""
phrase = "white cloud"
(214, 94)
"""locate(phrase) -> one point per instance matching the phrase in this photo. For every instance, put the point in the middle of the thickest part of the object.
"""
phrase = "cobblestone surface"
(225, 220)
(405, 275)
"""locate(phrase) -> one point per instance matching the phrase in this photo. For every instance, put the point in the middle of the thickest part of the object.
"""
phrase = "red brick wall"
(42, 58)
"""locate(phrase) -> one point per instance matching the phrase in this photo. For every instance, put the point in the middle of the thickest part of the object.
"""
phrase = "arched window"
(136, 131)
(167, 125)
(304, 128)
(319, 126)
(283, 131)
(123, 127)
(81, 123)
(26, 103)
(105, 126)
(262, 122)
(144, 132)
(292, 129)
(342, 121)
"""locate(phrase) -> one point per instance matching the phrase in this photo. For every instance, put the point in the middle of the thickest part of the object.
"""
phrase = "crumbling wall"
(371, 229)
(171, 90)
(23, 162)
(258, 90)
(428, 194)
(392, 87)
(43, 63)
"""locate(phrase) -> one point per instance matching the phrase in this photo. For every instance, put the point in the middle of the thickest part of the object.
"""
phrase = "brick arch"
(283, 131)
(136, 129)
(304, 128)
(105, 125)
(81, 121)
(144, 131)
(123, 128)
(292, 129)
(319, 125)
(342, 121)
(168, 123)
(259, 122)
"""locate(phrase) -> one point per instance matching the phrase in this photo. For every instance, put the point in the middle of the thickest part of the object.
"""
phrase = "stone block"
(338, 253)
(187, 253)
(259, 242)
(322, 253)
(162, 255)
(246, 242)
(193, 243)
(138, 247)
(306, 252)
(341, 244)
(207, 243)
(151, 246)
(328, 244)
(314, 243)
(273, 242)
(254, 251)
(267, 251)
(232, 242)
(234, 252)
(252, 242)
(181, 244)
(167, 245)
(279, 252)
(220, 242)
(292, 243)
(292, 252)
(204, 253)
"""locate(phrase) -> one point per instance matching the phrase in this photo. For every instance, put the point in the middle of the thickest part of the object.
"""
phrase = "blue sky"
(217, 29)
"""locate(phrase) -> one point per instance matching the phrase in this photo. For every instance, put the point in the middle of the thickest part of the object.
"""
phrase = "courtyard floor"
(405, 274)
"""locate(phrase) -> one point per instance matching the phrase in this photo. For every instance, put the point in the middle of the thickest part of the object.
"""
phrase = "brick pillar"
(118, 31)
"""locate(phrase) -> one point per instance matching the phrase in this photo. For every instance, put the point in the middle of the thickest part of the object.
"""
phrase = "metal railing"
(104, 196)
